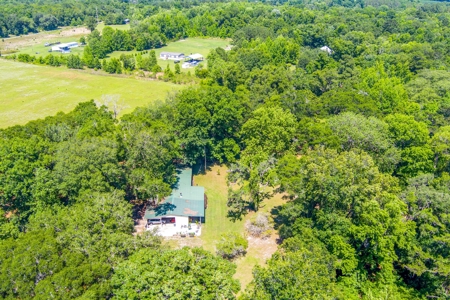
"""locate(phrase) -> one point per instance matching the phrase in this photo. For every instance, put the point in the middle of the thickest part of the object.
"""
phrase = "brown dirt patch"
(18, 42)
(263, 248)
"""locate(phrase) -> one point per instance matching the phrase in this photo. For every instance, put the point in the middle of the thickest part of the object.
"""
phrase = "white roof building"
(195, 56)
(64, 48)
(326, 49)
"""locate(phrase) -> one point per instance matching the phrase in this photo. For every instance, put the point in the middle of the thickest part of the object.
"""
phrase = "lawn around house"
(217, 223)
(186, 46)
(31, 92)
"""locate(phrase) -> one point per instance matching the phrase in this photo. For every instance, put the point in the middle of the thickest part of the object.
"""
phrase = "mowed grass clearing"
(187, 46)
(102, 25)
(217, 223)
(33, 43)
(30, 92)
(41, 50)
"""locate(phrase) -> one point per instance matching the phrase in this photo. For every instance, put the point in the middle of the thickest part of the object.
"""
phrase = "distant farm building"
(195, 56)
(171, 55)
(181, 212)
(64, 48)
(192, 60)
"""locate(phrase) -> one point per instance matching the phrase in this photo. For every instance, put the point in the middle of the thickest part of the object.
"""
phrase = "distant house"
(126, 21)
(326, 49)
(171, 55)
(185, 206)
(64, 48)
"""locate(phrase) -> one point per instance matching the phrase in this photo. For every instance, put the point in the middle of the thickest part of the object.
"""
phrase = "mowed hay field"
(30, 92)
(33, 43)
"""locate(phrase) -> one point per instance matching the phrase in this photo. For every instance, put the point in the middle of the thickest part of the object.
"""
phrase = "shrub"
(260, 227)
(232, 245)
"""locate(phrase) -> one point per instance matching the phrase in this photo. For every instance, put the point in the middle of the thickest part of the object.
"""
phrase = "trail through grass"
(30, 92)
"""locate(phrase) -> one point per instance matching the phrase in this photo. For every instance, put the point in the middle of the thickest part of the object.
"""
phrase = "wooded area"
(357, 139)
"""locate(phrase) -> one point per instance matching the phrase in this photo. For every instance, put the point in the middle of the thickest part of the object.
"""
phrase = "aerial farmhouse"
(182, 211)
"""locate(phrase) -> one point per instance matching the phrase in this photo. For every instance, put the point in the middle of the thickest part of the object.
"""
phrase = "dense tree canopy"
(341, 106)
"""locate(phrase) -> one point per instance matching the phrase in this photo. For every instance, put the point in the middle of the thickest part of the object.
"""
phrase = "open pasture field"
(187, 46)
(30, 92)
(33, 44)
(102, 25)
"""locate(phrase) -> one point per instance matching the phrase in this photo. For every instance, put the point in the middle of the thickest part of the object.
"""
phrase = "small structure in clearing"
(171, 55)
(64, 48)
(182, 212)
(192, 60)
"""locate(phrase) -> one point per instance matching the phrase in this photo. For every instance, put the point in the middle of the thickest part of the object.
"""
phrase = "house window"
(168, 220)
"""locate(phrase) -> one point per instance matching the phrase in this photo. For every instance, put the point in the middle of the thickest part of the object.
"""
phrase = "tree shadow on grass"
(279, 221)
(199, 168)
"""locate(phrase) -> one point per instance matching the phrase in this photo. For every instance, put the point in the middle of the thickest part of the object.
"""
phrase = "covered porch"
(169, 226)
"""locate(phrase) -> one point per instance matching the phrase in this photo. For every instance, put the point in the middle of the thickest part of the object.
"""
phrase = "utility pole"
(204, 150)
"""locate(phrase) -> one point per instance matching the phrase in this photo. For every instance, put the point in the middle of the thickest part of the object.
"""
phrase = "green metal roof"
(185, 200)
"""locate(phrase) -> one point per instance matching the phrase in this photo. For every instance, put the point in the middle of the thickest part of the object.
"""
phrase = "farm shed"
(64, 48)
(195, 56)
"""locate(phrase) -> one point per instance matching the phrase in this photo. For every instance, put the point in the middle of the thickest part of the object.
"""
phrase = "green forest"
(343, 107)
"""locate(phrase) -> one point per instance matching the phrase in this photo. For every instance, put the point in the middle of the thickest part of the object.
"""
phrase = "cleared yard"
(102, 25)
(187, 46)
(218, 223)
(31, 92)
(33, 44)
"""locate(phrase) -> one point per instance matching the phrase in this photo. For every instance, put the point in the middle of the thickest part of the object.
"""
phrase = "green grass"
(30, 92)
(33, 44)
(41, 50)
(102, 25)
(216, 220)
(217, 223)
(187, 46)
